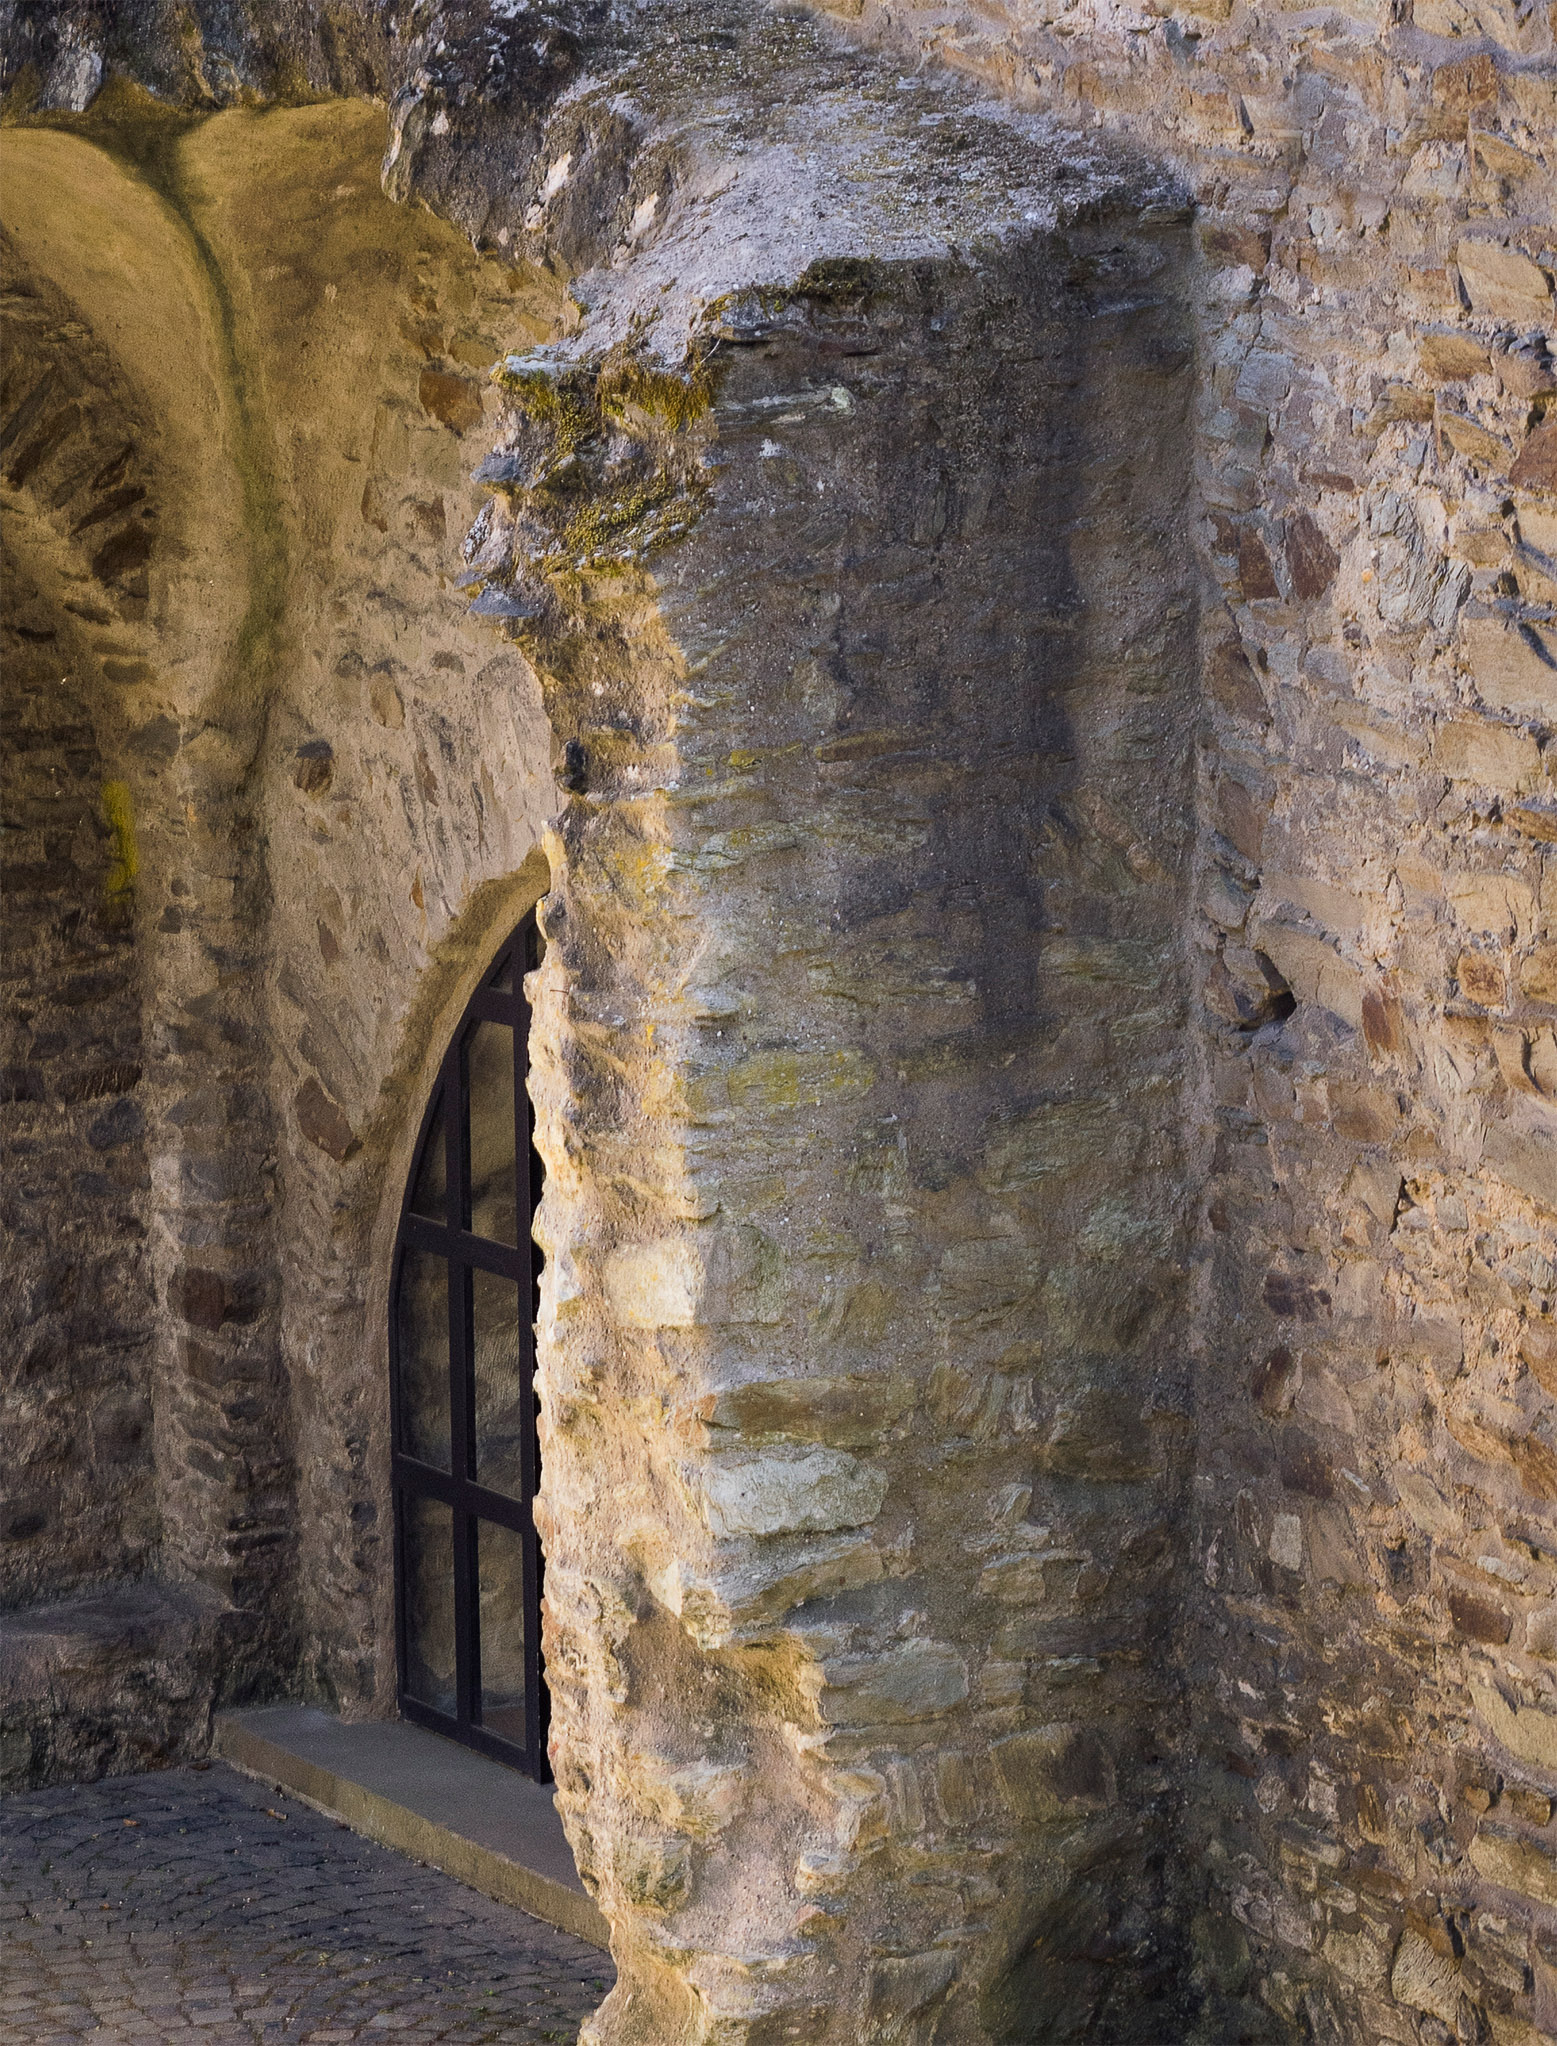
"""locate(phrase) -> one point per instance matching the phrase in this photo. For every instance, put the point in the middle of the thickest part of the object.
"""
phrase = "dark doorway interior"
(462, 1360)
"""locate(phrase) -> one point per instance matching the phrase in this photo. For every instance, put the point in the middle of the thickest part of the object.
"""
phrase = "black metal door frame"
(463, 1253)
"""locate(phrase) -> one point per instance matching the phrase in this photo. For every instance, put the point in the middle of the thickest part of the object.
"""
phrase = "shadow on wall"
(261, 773)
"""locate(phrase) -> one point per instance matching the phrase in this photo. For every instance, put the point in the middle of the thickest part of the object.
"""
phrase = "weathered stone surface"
(1503, 281)
(1513, 664)
(899, 985)
(126, 1680)
(793, 1492)
(920, 1680)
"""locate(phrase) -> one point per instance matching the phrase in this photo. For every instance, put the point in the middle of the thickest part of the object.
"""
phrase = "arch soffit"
(118, 251)
(382, 1166)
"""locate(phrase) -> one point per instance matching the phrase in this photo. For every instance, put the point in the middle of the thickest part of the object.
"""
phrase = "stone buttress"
(866, 635)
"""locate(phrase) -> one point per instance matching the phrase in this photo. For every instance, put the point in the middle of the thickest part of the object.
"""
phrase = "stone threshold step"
(430, 1798)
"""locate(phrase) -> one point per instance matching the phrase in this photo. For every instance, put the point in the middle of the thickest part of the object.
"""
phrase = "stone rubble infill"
(194, 1905)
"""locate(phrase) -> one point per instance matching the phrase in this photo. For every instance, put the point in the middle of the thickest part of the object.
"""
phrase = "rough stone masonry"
(1005, 599)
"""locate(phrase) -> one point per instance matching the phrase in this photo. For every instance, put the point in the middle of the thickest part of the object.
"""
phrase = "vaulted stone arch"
(858, 1031)
(239, 388)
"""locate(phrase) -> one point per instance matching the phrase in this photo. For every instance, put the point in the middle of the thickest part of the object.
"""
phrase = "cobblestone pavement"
(195, 1905)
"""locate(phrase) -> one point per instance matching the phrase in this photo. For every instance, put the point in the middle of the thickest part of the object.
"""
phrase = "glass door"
(462, 1315)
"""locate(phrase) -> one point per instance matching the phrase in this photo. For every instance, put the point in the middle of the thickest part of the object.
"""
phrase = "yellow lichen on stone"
(119, 815)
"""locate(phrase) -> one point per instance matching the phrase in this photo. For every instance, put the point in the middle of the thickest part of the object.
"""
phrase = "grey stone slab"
(426, 1796)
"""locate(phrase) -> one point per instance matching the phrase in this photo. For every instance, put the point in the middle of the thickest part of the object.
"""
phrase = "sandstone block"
(1359, 1959)
(1398, 403)
(840, 1413)
(1497, 756)
(1467, 437)
(920, 1680)
(1536, 821)
(1364, 1114)
(768, 1582)
(1481, 1619)
(1016, 1579)
(1526, 1731)
(1425, 1979)
(1516, 1864)
(1504, 282)
(810, 1491)
(1535, 466)
(903, 1986)
(1514, 666)
(454, 401)
(1286, 1541)
(323, 1121)
(1538, 974)
(1524, 1153)
(1226, 902)
(1500, 906)
(1052, 1771)
(1481, 978)
(1538, 1348)
(655, 1285)
(1314, 970)
(1450, 358)
(776, 1082)
(1341, 911)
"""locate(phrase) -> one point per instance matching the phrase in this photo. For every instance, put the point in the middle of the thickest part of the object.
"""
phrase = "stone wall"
(866, 1400)
(1372, 1667)
(1049, 1327)
(271, 795)
(76, 1440)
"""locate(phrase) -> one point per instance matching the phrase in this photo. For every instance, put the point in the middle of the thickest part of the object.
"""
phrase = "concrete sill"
(426, 1796)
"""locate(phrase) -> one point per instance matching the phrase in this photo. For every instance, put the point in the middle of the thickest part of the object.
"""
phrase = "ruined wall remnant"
(861, 1027)
(1028, 538)
(859, 1049)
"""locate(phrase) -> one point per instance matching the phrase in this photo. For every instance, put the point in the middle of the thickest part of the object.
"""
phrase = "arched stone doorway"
(230, 621)
(466, 1458)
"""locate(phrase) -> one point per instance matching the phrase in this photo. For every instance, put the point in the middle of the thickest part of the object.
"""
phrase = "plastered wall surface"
(1028, 539)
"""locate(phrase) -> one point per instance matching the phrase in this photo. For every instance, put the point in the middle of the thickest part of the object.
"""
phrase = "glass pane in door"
(489, 1068)
(500, 1573)
(500, 1418)
(427, 1196)
(427, 1587)
(422, 1357)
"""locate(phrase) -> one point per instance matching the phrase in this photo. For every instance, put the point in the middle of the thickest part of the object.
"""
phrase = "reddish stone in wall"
(1310, 557)
(322, 1121)
(1535, 466)
(1256, 577)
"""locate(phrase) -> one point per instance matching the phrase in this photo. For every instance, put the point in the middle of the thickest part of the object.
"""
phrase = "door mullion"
(456, 1122)
(467, 1632)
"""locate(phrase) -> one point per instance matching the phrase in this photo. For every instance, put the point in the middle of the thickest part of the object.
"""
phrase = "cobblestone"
(196, 1906)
